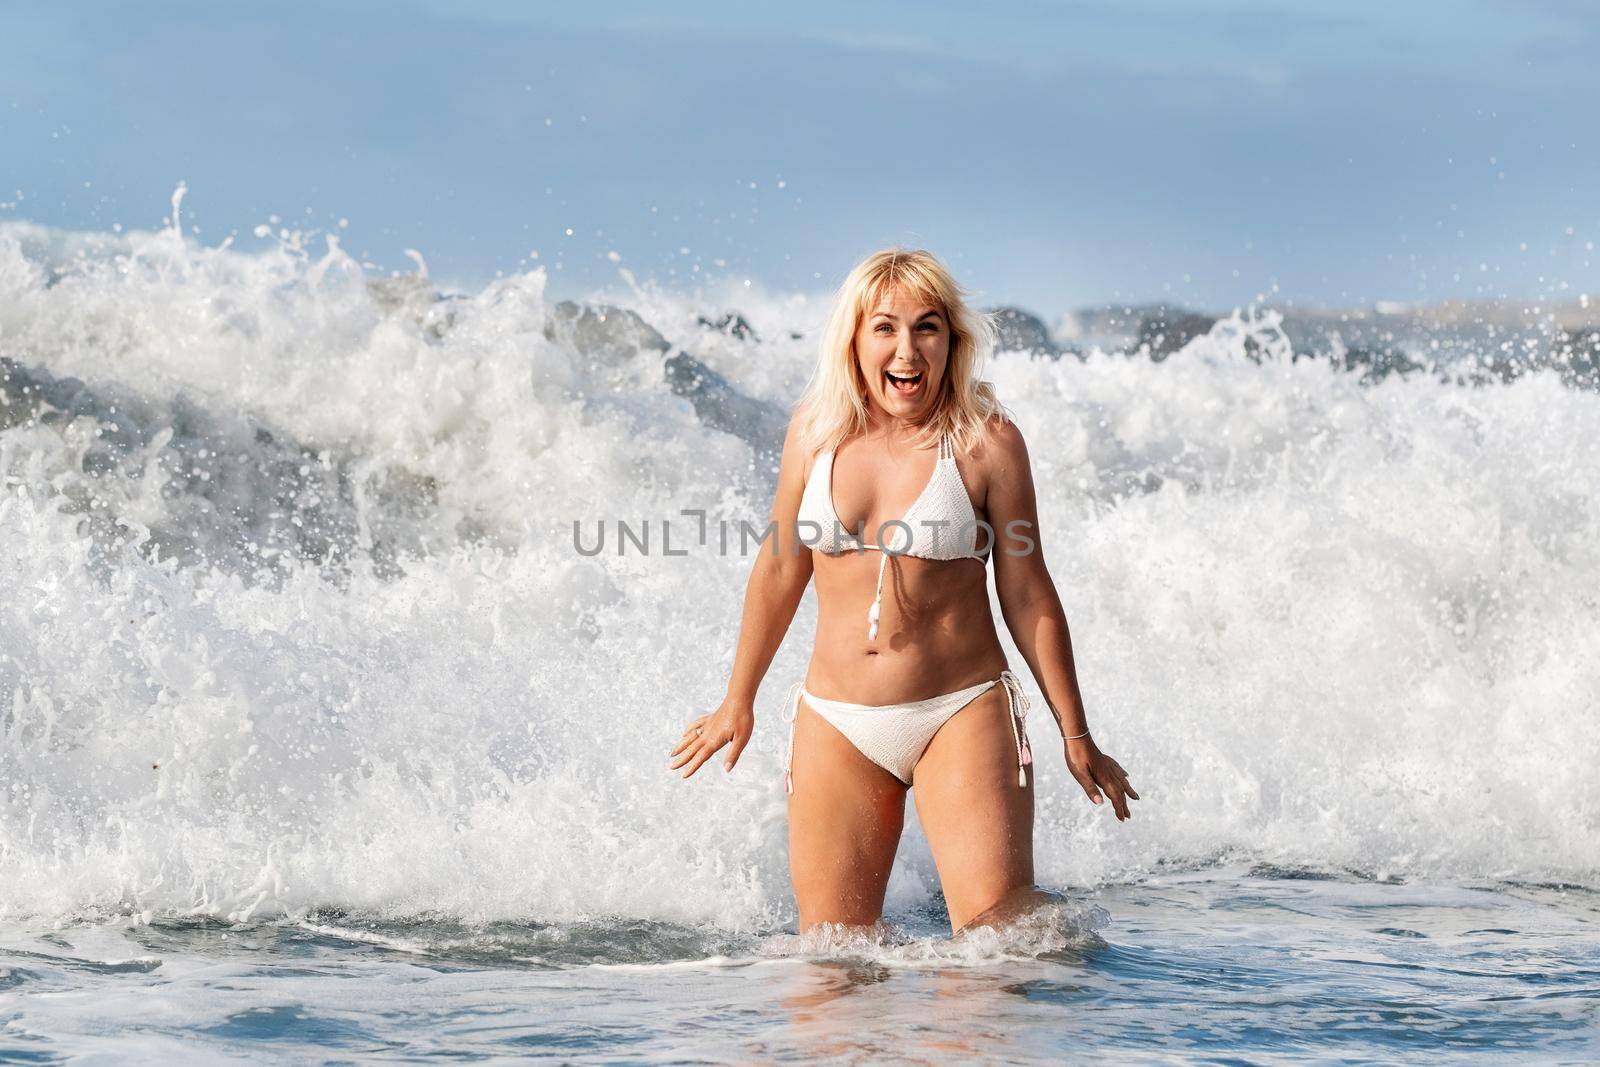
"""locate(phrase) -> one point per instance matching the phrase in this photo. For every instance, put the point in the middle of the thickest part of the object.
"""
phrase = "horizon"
(1569, 311)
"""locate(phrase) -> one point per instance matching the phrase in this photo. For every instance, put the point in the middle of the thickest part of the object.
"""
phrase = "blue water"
(1220, 965)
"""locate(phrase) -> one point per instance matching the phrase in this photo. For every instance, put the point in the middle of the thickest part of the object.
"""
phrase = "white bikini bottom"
(894, 735)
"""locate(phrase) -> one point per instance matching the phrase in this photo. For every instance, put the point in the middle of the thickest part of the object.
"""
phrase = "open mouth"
(905, 384)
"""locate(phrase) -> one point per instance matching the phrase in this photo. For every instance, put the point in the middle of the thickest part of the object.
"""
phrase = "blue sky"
(1055, 154)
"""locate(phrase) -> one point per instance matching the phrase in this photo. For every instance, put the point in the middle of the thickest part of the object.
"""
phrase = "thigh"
(845, 816)
(979, 821)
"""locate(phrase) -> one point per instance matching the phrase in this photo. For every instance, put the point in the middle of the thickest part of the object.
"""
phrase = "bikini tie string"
(877, 599)
(790, 714)
(1018, 703)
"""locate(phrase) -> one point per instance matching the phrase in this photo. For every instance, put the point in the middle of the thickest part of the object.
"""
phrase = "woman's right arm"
(778, 580)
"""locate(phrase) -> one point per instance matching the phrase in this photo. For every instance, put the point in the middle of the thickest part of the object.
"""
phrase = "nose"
(905, 351)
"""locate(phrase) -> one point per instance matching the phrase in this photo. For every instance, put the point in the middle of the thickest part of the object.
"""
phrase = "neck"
(881, 424)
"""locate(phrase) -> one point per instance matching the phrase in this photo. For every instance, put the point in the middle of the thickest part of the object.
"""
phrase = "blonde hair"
(834, 404)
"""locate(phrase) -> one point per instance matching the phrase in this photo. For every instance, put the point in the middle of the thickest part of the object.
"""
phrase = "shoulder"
(1004, 436)
(1002, 447)
(799, 453)
(997, 458)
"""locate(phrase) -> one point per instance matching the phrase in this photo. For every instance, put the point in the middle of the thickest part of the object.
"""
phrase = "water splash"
(293, 619)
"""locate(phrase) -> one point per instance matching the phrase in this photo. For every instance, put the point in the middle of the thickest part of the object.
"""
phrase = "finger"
(1122, 778)
(1119, 803)
(1089, 788)
(689, 738)
(691, 733)
(707, 749)
(735, 750)
(687, 752)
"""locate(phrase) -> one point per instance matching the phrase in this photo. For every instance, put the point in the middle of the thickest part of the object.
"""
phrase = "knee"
(1005, 909)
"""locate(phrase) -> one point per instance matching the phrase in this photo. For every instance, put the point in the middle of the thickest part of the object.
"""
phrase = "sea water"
(325, 737)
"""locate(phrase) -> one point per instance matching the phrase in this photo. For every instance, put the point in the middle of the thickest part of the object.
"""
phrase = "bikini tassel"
(791, 715)
(1017, 702)
(877, 600)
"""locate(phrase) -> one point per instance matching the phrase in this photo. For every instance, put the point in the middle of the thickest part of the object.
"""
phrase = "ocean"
(328, 735)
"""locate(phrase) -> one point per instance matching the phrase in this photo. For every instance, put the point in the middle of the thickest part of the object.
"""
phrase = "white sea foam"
(1321, 622)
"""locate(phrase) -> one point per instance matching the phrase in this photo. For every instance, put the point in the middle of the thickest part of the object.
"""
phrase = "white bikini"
(940, 525)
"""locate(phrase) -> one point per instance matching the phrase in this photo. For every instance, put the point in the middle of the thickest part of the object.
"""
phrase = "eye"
(931, 325)
(883, 327)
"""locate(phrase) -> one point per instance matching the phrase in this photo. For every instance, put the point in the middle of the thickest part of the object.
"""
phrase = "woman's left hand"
(731, 724)
(1100, 775)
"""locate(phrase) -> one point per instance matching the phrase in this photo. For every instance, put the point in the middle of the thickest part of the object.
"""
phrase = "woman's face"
(902, 347)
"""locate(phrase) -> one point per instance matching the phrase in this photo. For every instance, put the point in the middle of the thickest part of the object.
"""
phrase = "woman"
(907, 683)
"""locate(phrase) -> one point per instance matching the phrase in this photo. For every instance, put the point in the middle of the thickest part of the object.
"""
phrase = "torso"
(936, 632)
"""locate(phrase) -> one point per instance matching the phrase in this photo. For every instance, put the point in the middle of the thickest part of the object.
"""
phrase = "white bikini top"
(940, 524)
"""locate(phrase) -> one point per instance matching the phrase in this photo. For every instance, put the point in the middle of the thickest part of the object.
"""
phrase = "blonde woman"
(898, 438)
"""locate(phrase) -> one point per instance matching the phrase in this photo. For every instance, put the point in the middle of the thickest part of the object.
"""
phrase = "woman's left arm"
(1033, 613)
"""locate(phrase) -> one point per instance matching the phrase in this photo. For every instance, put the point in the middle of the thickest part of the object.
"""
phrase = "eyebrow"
(886, 315)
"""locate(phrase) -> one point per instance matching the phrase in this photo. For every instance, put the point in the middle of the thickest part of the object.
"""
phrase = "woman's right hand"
(731, 724)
